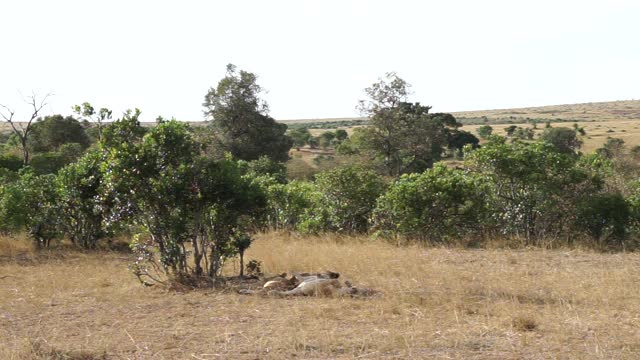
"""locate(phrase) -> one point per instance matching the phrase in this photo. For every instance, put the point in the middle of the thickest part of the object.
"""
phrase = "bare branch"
(9, 119)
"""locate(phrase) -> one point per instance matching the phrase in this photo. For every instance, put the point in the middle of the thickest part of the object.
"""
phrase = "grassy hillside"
(588, 112)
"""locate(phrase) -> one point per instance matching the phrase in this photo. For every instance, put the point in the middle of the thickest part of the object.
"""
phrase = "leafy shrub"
(534, 187)
(604, 217)
(79, 187)
(30, 204)
(439, 204)
(349, 196)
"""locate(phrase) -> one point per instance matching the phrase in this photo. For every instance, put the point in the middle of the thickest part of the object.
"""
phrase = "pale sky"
(316, 57)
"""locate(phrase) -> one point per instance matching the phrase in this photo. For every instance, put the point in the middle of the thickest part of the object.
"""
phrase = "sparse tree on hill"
(86, 111)
(485, 131)
(300, 136)
(563, 139)
(50, 133)
(23, 129)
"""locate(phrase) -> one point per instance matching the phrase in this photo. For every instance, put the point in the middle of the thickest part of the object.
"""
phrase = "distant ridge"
(593, 111)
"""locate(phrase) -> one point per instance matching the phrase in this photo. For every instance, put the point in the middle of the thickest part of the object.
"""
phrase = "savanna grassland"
(601, 120)
(437, 303)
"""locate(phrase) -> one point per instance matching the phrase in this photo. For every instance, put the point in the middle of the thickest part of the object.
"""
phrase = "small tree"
(23, 130)
(242, 242)
(88, 112)
(300, 136)
(326, 139)
(403, 137)
(341, 135)
(52, 132)
(565, 140)
(485, 131)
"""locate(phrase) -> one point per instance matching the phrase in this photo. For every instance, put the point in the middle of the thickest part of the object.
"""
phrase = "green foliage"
(82, 207)
(523, 133)
(10, 162)
(565, 140)
(264, 166)
(403, 137)
(459, 139)
(30, 204)
(341, 135)
(534, 187)
(604, 217)
(50, 133)
(161, 182)
(439, 204)
(510, 130)
(485, 131)
(241, 120)
(614, 147)
(52, 161)
(294, 206)
(300, 136)
(87, 112)
(349, 196)
(326, 139)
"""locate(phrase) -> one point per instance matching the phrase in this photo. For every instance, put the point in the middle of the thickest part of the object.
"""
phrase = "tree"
(485, 131)
(510, 130)
(458, 139)
(240, 118)
(326, 139)
(23, 130)
(341, 135)
(613, 148)
(50, 133)
(403, 137)
(300, 136)
(88, 112)
(202, 200)
(563, 139)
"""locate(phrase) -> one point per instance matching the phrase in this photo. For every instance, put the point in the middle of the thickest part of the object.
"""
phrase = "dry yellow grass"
(597, 133)
(437, 303)
(594, 111)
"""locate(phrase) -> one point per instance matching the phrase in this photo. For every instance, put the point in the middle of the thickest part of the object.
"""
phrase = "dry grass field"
(597, 133)
(595, 111)
(438, 303)
(601, 120)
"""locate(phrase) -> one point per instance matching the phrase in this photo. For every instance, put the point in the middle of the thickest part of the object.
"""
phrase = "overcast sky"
(316, 57)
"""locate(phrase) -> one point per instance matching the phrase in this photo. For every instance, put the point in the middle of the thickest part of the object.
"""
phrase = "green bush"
(604, 217)
(349, 196)
(30, 204)
(437, 205)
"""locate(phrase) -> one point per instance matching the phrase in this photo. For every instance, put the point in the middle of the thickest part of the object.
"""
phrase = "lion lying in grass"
(309, 284)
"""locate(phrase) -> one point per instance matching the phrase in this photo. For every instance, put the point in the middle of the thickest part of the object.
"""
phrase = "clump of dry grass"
(12, 246)
(436, 303)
